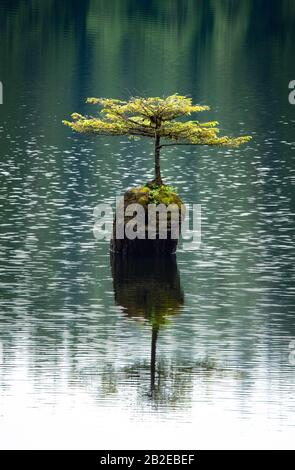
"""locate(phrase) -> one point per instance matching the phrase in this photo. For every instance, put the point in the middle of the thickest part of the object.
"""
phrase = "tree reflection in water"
(150, 290)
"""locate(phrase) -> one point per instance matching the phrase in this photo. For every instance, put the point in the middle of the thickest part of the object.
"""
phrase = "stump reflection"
(148, 289)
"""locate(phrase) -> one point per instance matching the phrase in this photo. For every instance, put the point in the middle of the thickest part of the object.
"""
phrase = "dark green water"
(75, 337)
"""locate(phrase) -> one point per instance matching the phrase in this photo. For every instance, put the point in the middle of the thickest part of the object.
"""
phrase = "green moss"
(143, 200)
(145, 189)
(154, 194)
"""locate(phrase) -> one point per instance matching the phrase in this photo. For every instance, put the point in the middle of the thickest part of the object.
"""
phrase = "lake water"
(76, 333)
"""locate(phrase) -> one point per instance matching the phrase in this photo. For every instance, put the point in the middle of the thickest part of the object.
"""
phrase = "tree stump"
(145, 196)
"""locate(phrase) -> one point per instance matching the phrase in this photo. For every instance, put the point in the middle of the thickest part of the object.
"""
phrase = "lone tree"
(155, 118)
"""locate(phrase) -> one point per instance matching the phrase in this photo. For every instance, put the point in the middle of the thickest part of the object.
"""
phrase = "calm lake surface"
(75, 333)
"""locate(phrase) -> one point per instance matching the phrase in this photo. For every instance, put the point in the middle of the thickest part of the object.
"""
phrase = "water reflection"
(149, 290)
(64, 345)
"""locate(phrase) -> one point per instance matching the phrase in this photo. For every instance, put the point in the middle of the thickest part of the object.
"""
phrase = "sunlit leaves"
(148, 117)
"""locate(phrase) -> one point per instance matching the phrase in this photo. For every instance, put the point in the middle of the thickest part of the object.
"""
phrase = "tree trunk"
(158, 178)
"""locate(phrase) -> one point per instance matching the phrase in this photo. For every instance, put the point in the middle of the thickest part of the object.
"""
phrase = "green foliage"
(162, 194)
(152, 117)
(156, 194)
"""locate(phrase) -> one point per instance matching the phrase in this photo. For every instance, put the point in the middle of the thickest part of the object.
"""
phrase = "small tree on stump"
(155, 118)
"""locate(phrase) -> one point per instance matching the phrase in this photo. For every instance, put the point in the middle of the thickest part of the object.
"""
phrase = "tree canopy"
(154, 118)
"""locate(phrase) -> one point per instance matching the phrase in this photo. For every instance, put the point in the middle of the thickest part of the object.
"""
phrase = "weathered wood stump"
(147, 195)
